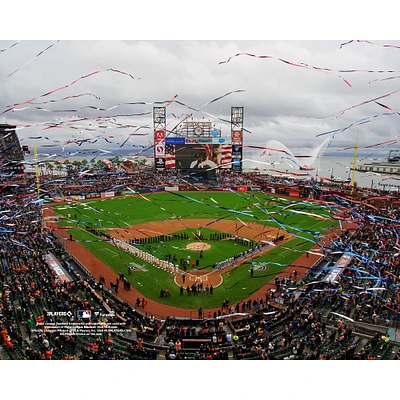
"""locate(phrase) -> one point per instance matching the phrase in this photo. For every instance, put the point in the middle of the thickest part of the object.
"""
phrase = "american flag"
(224, 155)
(169, 156)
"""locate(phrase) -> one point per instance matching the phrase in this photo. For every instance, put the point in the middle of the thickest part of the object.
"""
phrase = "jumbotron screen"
(198, 156)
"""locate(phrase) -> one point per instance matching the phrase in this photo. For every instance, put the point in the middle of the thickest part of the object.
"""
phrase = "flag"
(224, 155)
(209, 151)
(169, 156)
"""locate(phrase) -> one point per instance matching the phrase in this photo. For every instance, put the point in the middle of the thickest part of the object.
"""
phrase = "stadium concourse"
(56, 304)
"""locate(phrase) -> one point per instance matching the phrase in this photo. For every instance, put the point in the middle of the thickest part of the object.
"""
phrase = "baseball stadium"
(193, 258)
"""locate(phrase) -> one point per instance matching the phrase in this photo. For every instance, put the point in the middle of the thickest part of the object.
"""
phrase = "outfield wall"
(178, 188)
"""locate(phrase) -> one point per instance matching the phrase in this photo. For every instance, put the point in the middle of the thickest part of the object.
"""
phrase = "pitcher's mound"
(198, 246)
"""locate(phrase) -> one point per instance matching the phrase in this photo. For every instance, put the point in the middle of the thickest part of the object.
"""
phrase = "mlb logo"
(84, 314)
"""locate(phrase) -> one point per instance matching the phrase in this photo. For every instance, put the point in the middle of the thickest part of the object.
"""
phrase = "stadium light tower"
(237, 137)
(160, 123)
(11, 154)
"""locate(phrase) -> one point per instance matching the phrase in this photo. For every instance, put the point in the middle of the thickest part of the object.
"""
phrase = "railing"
(81, 265)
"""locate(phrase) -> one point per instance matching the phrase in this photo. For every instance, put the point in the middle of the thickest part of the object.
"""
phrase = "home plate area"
(194, 278)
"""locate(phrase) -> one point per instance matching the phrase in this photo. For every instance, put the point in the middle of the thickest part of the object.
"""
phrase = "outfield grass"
(130, 210)
(261, 208)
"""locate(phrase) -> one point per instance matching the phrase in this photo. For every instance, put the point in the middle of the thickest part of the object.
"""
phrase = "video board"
(195, 154)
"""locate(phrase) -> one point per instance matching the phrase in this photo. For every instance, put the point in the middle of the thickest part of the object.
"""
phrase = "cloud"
(281, 101)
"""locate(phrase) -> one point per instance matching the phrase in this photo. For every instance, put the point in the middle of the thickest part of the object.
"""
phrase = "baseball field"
(198, 232)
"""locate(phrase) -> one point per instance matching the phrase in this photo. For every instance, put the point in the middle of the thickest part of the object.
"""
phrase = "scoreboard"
(197, 145)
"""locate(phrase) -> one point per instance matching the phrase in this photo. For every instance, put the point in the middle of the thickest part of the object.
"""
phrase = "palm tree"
(68, 165)
(59, 166)
(116, 162)
(76, 164)
(142, 163)
(49, 168)
(84, 163)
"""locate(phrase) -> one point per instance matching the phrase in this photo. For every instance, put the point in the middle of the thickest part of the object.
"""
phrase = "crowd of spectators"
(33, 298)
(87, 179)
(312, 318)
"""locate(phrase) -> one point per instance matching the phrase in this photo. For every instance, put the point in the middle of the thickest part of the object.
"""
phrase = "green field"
(296, 217)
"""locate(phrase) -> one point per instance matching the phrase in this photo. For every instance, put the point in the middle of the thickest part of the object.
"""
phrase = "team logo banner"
(237, 137)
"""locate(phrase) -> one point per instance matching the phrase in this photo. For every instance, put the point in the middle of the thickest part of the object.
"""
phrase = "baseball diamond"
(237, 242)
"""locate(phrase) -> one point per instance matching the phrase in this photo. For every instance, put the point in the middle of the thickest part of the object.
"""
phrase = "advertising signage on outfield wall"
(107, 194)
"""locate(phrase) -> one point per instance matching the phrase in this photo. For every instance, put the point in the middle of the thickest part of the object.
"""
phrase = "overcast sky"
(282, 102)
